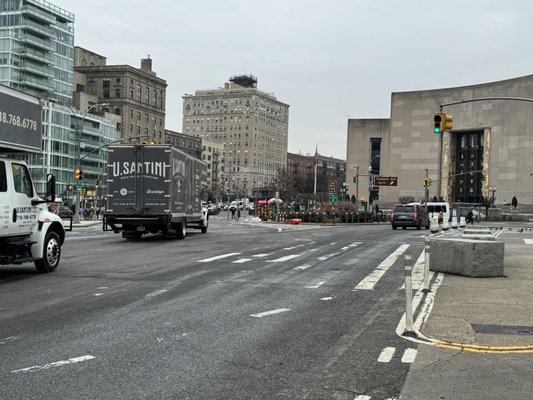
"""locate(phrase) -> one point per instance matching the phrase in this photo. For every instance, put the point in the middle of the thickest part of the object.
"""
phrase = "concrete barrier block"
(474, 258)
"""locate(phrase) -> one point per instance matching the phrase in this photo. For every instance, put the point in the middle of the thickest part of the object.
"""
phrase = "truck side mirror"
(50, 188)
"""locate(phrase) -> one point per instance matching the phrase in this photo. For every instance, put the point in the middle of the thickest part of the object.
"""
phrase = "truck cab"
(28, 231)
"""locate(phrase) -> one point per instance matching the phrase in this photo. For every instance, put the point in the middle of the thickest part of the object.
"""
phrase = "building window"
(131, 113)
(118, 92)
(138, 130)
(131, 128)
(131, 94)
(106, 87)
(117, 111)
(139, 92)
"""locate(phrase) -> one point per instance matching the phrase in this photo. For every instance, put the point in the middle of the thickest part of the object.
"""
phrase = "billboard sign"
(20, 121)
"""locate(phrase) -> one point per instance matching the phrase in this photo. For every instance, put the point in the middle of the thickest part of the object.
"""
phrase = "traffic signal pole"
(426, 190)
(357, 187)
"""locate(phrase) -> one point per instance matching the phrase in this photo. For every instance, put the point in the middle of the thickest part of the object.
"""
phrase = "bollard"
(426, 266)
(434, 225)
(408, 268)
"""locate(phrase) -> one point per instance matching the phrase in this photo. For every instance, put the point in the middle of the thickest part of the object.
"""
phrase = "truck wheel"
(181, 229)
(204, 225)
(51, 254)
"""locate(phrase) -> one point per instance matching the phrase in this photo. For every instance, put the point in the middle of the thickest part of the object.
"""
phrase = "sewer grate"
(503, 329)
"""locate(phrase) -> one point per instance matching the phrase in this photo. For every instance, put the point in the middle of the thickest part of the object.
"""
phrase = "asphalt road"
(242, 312)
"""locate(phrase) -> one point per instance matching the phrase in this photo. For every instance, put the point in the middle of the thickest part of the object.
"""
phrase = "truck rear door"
(138, 179)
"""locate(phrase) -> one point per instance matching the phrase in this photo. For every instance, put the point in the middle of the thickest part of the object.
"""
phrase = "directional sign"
(386, 181)
(332, 198)
(333, 186)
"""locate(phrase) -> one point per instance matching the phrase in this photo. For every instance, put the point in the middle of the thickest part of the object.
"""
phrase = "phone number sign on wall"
(20, 121)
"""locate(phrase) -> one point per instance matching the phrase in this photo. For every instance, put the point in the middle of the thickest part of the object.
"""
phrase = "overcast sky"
(328, 59)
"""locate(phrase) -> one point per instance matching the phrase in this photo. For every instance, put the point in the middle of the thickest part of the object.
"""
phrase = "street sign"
(332, 198)
(333, 186)
(386, 181)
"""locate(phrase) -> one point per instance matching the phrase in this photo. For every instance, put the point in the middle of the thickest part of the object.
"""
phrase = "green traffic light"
(436, 129)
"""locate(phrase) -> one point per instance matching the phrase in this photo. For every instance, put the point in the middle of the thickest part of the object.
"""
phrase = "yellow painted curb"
(475, 348)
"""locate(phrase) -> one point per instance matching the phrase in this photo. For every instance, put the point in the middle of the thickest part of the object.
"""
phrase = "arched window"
(353, 199)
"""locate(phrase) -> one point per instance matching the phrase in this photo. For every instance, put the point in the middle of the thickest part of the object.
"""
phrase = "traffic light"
(78, 174)
(354, 178)
(97, 182)
(428, 181)
(442, 122)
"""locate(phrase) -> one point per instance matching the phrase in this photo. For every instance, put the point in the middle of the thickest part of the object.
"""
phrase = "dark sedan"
(409, 215)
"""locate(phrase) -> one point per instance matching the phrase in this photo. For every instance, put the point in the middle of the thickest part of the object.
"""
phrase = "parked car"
(213, 209)
(64, 212)
(412, 215)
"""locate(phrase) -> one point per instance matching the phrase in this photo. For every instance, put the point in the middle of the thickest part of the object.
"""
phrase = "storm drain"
(503, 329)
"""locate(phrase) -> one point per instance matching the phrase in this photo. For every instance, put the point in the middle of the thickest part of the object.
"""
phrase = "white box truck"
(29, 232)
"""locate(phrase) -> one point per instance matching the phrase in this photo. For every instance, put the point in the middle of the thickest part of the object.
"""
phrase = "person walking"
(232, 209)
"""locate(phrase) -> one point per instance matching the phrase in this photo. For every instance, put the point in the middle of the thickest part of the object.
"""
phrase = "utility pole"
(76, 217)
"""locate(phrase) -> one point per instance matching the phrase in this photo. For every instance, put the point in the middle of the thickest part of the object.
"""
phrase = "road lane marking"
(294, 247)
(354, 244)
(98, 294)
(271, 312)
(323, 258)
(285, 258)
(303, 267)
(370, 281)
(157, 293)
(327, 298)
(316, 286)
(102, 288)
(261, 255)
(362, 397)
(241, 260)
(386, 354)
(55, 364)
(205, 260)
(9, 339)
(409, 356)
(528, 241)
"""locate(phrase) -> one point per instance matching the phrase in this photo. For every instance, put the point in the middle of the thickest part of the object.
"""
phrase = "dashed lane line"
(303, 267)
(370, 281)
(528, 241)
(241, 260)
(206, 260)
(327, 298)
(386, 354)
(271, 312)
(56, 364)
(285, 258)
(327, 256)
(362, 397)
(261, 255)
(315, 286)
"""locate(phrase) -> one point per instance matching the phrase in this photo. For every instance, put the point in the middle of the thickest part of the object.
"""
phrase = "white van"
(435, 208)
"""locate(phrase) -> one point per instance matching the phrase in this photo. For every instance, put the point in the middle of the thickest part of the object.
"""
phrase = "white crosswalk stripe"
(386, 354)
(370, 281)
(409, 356)
(362, 397)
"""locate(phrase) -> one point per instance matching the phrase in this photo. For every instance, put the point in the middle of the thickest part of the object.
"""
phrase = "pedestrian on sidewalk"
(470, 218)
(232, 209)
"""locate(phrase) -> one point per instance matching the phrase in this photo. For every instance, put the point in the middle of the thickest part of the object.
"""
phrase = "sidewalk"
(82, 224)
(485, 326)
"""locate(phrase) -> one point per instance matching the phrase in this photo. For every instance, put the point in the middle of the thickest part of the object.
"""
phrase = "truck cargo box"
(153, 184)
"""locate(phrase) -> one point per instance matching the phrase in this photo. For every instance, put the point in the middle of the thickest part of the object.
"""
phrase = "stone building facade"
(301, 169)
(251, 125)
(136, 94)
(488, 151)
(188, 144)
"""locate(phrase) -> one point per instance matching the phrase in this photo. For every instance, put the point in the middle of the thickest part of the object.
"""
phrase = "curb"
(476, 348)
